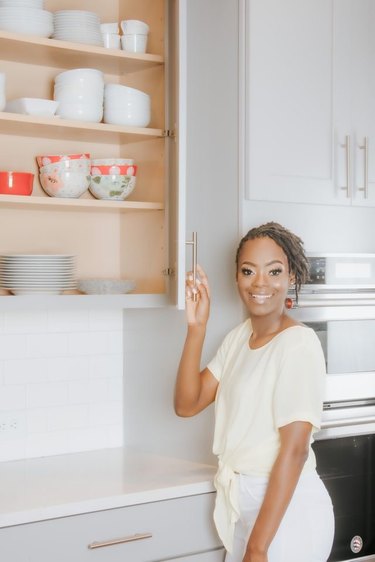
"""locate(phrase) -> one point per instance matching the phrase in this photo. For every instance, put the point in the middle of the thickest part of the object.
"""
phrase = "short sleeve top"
(263, 389)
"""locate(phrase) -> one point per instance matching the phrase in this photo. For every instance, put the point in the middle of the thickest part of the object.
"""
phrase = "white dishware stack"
(80, 94)
(24, 274)
(110, 35)
(26, 16)
(135, 36)
(78, 26)
(126, 106)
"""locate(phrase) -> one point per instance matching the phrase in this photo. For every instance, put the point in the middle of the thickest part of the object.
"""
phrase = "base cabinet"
(151, 532)
(213, 556)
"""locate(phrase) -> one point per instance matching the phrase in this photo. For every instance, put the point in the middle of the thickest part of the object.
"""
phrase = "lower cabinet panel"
(142, 533)
(213, 556)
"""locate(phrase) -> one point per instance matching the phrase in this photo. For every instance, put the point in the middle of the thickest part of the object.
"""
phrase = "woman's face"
(263, 277)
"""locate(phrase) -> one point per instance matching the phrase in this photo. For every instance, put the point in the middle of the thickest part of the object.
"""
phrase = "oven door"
(345, 454)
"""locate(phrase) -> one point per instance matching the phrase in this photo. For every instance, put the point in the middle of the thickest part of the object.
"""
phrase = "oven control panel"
(317, 270)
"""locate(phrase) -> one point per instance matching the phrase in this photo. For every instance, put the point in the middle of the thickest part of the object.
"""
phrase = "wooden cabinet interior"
(110, 239)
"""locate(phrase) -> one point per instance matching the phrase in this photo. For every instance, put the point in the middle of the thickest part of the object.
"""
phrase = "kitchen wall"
(61, 382)
(322, 227)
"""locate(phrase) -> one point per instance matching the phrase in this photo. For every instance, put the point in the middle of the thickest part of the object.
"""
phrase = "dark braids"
(291, 245)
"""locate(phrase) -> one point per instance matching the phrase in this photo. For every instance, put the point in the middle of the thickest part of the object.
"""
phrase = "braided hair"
(291, 244)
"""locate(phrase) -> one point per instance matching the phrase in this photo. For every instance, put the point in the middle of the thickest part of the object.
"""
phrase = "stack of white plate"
(25, 274)
(25, 17)
(77, 26)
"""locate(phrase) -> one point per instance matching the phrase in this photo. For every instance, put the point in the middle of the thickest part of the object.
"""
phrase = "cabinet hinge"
(169, 272)
(169, 133)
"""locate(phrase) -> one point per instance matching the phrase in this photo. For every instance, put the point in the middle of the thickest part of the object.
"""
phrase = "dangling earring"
(289, 303)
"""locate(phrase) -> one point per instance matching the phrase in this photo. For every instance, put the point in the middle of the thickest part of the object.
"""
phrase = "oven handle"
(346, 422)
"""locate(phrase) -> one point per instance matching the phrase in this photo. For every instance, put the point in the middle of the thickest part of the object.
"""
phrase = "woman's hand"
(197, 299)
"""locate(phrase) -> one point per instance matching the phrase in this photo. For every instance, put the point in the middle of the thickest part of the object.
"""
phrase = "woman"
(267, 383)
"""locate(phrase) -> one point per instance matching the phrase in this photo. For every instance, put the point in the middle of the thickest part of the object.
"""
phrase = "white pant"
(306, 530)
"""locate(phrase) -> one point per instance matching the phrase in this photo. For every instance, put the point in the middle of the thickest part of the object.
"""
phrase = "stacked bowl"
(135, 35)
(80, 94)
(25, 16)
(112, 178)
(126, 106)
(64, 175)
(78, 26)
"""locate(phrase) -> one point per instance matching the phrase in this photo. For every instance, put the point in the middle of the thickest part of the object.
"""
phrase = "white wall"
(61, 383)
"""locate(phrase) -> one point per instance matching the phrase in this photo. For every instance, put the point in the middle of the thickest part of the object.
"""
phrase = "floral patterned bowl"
(65, 183)
(114, 187)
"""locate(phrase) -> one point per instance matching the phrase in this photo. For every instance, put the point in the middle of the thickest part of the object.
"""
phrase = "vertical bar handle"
(348, 186)
(194, 243)
(364, 147)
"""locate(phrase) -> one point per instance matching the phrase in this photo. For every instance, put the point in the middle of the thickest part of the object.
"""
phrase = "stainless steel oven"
(339, 304)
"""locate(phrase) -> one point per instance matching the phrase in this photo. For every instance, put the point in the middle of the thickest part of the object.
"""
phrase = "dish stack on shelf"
(26, 274)
(78, 26)
(26, 16)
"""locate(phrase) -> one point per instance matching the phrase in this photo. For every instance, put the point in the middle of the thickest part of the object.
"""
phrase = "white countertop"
(49, 487)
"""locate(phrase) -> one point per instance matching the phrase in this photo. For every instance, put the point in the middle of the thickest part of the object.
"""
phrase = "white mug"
(2, 91)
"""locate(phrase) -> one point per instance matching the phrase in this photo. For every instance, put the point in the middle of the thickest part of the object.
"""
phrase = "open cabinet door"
(176, 153)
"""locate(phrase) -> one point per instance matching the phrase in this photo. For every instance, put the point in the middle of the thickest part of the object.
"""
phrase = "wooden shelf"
(64, 54)
(36, 302)
(54, 127)
(93, 204)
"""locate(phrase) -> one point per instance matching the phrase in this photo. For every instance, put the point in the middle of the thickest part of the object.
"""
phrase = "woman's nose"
(259, 278)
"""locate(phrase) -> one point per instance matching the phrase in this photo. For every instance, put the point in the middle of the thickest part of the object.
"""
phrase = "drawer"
(141, 533)
(212, 556)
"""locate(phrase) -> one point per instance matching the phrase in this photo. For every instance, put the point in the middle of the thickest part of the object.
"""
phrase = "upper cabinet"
(309, 101)
(134, 239)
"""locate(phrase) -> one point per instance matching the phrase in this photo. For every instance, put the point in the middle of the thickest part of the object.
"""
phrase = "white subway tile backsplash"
(22, 371)
(61, 372)
(25, 322)
(12, 397)
(12, 346)
(68, 320)
(88, 343)
(68, 417)
(106, 366)
(47, 345)
(100, 320)
(68, 368)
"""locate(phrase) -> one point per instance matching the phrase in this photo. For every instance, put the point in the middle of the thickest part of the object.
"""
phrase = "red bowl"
(114, 170)
(51, 159)
(16, 183)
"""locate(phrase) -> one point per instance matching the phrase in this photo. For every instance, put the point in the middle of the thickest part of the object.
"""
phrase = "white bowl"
(32, 106)
(65, 184)
(92, 113)
(105, 286)
(82, 165)
(81, 74)
(113, 187)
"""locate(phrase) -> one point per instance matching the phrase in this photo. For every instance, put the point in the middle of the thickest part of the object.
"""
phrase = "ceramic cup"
(134, 43)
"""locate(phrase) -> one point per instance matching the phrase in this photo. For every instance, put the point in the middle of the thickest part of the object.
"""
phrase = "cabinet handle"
(364, 147)
(132, 538)
(194, 243)
(348, 186)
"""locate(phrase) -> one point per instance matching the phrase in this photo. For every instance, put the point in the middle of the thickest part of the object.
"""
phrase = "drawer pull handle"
(136, 537)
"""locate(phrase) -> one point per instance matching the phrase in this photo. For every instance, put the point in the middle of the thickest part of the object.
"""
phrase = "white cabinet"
(135, 239)
(141, 533)
(308, 98)
(214, 556)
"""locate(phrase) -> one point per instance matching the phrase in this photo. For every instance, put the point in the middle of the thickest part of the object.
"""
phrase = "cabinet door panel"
(289, 113)
(362, 44)
(175, 527)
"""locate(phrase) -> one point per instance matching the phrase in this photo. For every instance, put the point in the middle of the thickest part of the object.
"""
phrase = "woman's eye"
(246, 271)
(276, 271)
